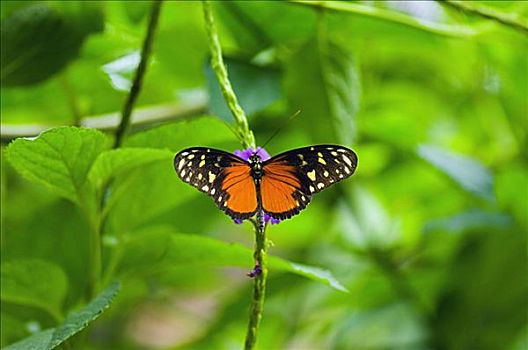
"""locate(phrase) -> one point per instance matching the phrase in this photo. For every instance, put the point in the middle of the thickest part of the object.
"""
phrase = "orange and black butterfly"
(281, 186)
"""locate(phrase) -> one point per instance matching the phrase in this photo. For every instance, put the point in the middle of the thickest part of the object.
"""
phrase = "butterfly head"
(256, 165)
(254, 159)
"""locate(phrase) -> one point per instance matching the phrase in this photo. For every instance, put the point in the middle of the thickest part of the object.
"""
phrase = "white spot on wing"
(185, 153)
(205, 188)
(181, 163)
(200, 176)
(320, 185)
(347, 160)
(347, 170)
(213, 191)
(183, 173)
(312, 189)
(333, 153)
(326, 173)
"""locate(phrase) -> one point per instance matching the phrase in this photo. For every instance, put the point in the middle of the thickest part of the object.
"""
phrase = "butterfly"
(281, 186)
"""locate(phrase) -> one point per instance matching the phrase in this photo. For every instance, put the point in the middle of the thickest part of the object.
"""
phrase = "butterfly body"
(281, 186)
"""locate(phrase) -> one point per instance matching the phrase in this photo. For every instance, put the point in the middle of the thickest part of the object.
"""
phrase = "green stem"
(144, 116)
(248, 140)
(120, 133)
(95, 248)
(217, 63)
(505, 19)
(390, 16)
(124, 125)
(259, 287)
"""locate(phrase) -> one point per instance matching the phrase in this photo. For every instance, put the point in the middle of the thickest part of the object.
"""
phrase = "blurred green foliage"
(429, 236)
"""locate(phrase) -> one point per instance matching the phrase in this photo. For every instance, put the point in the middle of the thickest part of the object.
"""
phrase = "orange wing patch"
(240, 191)
(281, 191)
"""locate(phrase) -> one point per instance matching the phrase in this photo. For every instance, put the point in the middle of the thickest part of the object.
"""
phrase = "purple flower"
(257, 270)
(264, 155)
(245, 154)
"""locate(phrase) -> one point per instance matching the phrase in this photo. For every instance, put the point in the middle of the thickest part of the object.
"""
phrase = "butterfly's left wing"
(221, 175)
(290, 178)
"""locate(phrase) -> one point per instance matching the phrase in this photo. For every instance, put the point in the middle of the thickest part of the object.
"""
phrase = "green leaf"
(160, 246)
(36, 283)
(205, 130)
(59, 159)
(41, 39)
(37, 341)
(157, 185)
(323, 83)
(256, 88)
(467, 172)
(77, 321)
(117, 161)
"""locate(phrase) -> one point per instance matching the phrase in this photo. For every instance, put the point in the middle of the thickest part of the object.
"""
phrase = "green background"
(429, 236)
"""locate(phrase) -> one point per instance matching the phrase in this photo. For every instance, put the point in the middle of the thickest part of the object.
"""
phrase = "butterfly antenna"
(281, 127)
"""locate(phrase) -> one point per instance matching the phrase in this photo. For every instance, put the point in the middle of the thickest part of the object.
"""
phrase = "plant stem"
(98, 223)
(217, 63)
(505, 19)
(259, 287)
(390, 16)
(140, 117)
(124, 125)
(248, 140)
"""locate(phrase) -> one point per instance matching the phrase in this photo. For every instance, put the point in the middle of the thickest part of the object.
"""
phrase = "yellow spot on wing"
(202, 163)
(311, 175)
(212, 177)
(321, 160)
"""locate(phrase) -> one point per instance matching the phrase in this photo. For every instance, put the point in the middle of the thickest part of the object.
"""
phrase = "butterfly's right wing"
(221, 175)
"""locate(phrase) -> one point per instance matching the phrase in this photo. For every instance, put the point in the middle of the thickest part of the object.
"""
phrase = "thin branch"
(217, 62)
(485, 12)
(248, 140)
(259, 287)
(108, 122)
(140, 72)
(391, 16)
(124, 125)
